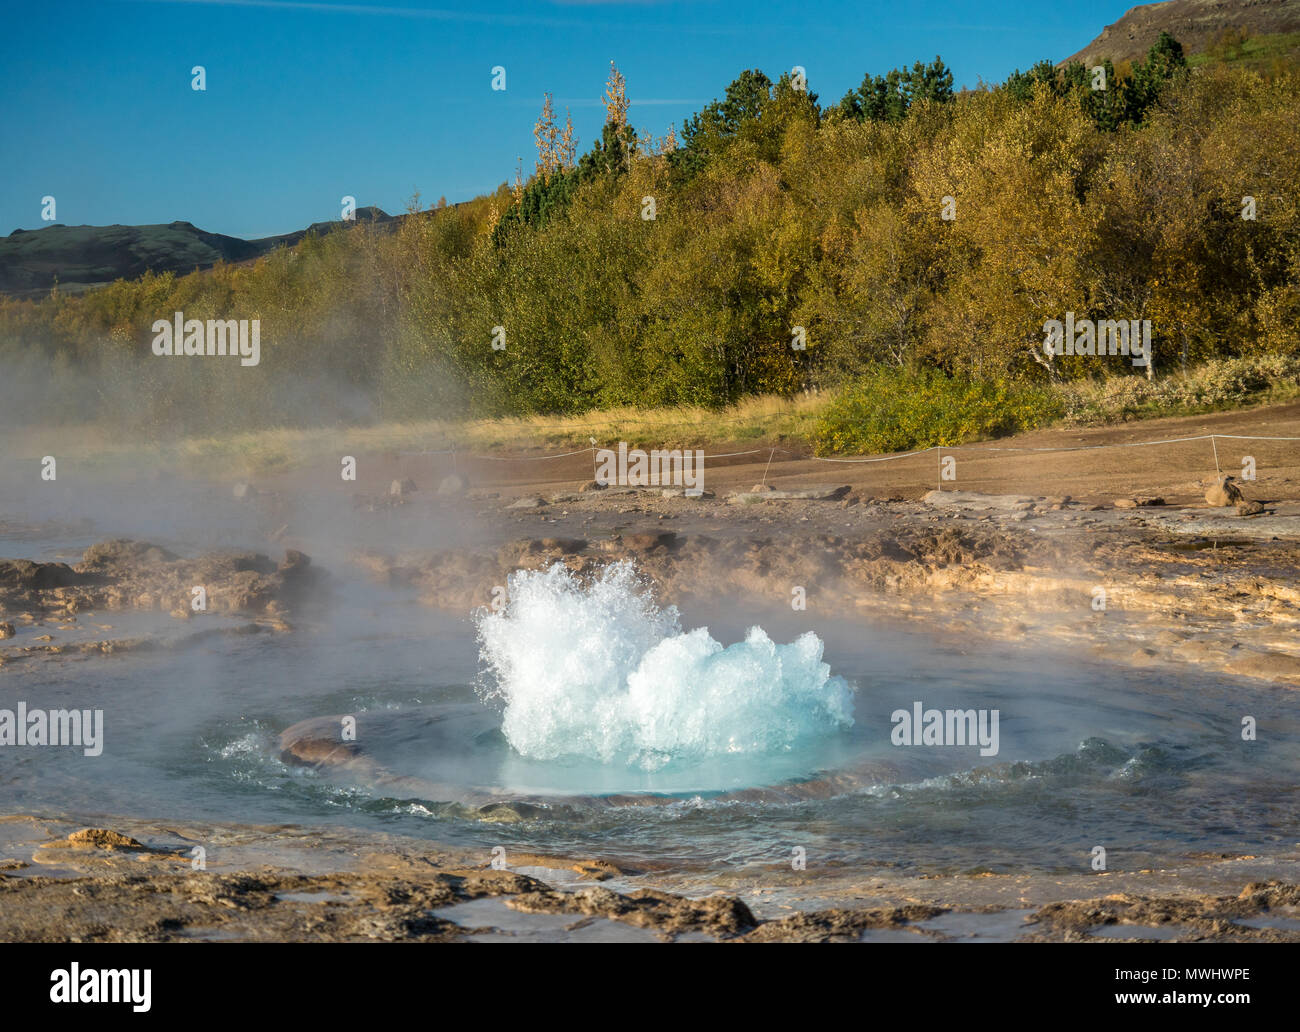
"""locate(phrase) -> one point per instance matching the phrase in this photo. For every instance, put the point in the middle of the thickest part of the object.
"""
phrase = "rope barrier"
(880, 458)
(532, 458)
(1098, 447)
(731, 454)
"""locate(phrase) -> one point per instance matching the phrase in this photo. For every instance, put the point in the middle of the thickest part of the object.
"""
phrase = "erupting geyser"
(598, 671)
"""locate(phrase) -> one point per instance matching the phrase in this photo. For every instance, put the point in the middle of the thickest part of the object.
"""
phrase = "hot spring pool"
(633, 732)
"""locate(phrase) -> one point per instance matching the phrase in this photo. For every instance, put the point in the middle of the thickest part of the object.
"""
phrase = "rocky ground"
(1147, 564)
(1199, 585)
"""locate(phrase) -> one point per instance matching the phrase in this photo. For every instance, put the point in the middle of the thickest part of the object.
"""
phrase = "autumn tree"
(616, 102)
(547, 135)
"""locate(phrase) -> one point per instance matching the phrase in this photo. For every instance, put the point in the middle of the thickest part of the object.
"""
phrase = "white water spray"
(599, 671)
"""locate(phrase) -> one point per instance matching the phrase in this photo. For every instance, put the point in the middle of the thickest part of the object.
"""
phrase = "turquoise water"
(1148, 765)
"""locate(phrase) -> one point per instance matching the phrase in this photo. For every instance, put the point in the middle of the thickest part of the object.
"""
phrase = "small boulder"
(294, 560)
(100, 838)
(244, 490)
(593, 485)
(402, 488)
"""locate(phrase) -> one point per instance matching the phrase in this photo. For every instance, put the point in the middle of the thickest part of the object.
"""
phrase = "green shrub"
(893, 410)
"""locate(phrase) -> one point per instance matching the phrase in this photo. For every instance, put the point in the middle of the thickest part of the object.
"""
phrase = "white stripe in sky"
(441, 14)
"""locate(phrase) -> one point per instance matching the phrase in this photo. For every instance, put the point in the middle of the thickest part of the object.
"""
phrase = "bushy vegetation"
(772, 213)
(895, 409)
(1219, 383)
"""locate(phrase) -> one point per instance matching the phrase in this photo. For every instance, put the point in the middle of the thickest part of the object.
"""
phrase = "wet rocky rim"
(109, 886)
(1190, 585)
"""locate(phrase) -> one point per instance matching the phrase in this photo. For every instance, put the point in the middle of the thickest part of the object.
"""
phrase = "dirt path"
(1173, 471)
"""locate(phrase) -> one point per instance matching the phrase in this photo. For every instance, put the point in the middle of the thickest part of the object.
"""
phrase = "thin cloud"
(442, 15)
(427, 14)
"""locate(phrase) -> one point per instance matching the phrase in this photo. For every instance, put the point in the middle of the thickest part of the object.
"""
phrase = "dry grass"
(755, 421)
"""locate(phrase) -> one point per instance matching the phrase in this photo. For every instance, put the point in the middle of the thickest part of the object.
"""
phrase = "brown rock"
(293, 560)
(27, 575)
(100, 838)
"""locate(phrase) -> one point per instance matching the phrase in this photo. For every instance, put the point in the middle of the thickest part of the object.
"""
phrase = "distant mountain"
(84, 256)
(1201, 26)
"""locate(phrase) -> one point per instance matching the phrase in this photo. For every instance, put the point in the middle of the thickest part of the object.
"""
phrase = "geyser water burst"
(599, 671)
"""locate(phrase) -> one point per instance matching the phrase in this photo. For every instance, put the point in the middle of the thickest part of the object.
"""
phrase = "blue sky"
(309, 101)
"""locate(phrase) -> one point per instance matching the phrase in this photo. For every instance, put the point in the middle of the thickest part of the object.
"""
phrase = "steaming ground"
(652, 740)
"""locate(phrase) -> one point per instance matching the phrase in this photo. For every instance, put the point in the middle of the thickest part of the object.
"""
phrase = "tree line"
(773, 245)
